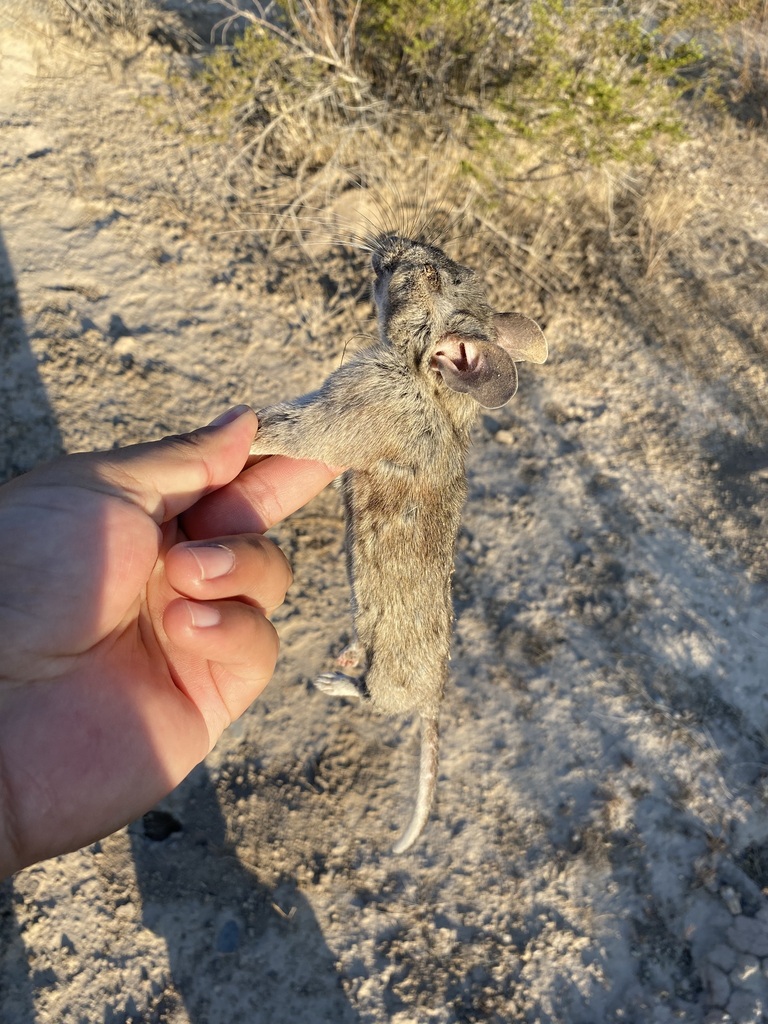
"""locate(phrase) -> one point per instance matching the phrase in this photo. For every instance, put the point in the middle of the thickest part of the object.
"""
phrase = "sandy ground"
(599, 848)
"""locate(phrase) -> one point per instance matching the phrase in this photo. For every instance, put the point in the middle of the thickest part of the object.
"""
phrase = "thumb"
(165, 477)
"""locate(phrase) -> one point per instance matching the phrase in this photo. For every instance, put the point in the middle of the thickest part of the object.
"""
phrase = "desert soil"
(599, 848)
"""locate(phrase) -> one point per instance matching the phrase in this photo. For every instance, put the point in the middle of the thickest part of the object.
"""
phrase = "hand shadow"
(237, 949)
(28, 435)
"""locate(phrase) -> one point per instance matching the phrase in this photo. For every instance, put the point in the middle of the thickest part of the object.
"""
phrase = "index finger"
(260, 497)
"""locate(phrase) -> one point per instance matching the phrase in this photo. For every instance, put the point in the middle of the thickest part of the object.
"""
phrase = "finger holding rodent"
(240, 647)
(263, 495)
(247, 566)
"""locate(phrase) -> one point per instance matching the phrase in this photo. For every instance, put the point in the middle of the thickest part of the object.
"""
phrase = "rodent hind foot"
(352, 657)
(335, 684)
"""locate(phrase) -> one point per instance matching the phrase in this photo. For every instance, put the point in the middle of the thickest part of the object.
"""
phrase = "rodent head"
(434, 314)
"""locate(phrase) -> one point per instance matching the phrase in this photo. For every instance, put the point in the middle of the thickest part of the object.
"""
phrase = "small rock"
(745, 1007)
(159, 825)
(749, 935)
(718, 1017)
(723, 956)
(747, 975)
(731, 899)
(125, 345)
(718, 985)
(504, 437)
(228, 939)
(158, 981)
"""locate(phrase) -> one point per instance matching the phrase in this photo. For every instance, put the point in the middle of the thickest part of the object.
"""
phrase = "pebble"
(723, 956)
(731, 899)
(745, 1008)
(159, 825)
(228, 939)
(749, 935)
(718, 1017)
(718, 985)
(747, 974)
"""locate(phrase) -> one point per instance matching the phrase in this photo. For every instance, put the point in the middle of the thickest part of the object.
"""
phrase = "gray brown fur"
(399, 416)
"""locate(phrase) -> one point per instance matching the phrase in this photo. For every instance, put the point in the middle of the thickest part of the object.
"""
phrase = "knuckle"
(189, 445)
(185, 447)
(260, 660)
(273, 563)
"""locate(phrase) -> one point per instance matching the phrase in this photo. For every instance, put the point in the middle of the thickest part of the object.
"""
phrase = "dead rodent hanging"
(398, 416)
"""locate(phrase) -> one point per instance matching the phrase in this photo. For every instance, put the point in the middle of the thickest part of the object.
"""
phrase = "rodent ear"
(477, 368)
(521, 337)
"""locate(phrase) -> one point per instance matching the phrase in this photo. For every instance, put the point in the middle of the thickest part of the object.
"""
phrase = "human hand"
(135, 589)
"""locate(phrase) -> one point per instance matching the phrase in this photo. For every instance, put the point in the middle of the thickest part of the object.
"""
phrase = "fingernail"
(213, 560)
(203, 615)
(229, 416)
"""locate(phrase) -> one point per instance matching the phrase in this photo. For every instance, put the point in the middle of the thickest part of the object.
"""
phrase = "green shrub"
(589, 82)
(598, 83)
(333, 91)
(278, 100)
(712, 15)
(431, 51)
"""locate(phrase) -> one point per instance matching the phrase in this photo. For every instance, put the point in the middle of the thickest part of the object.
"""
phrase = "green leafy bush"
(590, 82)
(429, 52)
(597, 82)
(331, 91)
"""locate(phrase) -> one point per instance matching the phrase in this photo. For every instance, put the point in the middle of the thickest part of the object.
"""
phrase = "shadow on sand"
(264, 958)
(28, 435)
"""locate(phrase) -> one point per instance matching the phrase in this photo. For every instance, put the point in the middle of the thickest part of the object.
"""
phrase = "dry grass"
(102, 17)
(514, 138)
(664, 213)
(321, 138)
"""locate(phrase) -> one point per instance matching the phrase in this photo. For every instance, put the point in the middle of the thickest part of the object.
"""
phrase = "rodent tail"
(427, 782)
